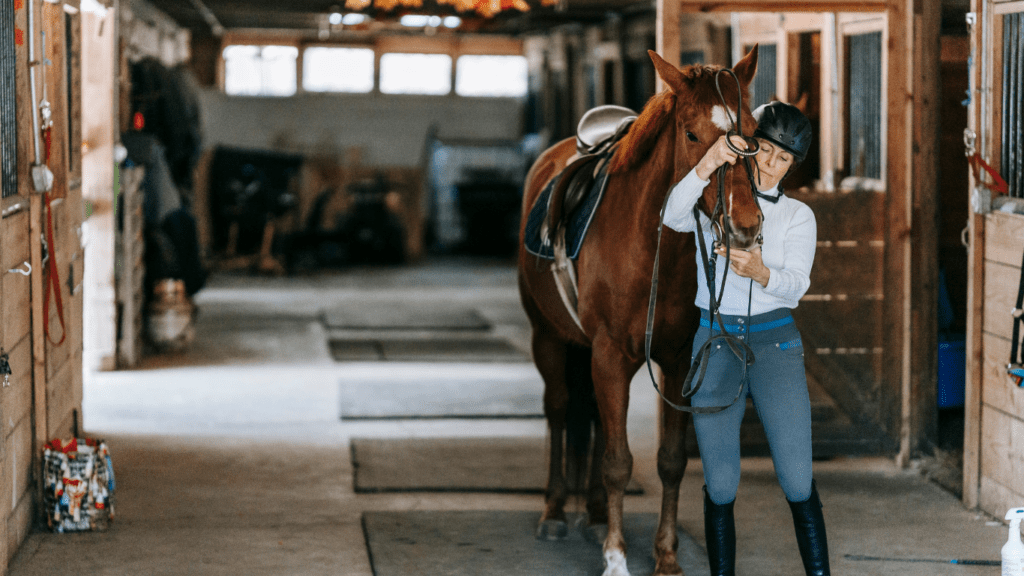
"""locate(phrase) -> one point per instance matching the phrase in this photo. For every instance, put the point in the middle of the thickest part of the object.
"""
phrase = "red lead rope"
(998, 184)
(54, 280)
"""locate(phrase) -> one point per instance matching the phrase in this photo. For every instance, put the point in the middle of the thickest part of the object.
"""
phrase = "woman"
(763, 286)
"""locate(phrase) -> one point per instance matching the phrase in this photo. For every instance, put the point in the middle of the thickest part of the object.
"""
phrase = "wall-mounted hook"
(20, 271)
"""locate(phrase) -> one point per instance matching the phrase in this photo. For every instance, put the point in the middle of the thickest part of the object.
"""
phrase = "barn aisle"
(234, 457)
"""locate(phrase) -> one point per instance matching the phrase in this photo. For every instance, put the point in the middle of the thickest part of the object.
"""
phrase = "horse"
(587, 366)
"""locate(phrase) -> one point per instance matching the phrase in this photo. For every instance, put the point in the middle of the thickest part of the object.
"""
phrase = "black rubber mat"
(452, 465)
(455, 349)
(454, 397)
(502, 542)
(392, 317)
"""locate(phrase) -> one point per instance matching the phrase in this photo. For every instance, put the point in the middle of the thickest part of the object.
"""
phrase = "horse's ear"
(746, 67)
(669, 73)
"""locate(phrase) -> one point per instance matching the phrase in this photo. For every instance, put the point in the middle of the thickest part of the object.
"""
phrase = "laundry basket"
(78, 485)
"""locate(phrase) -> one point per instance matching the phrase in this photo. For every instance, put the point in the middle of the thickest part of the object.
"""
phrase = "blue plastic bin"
(952, 367)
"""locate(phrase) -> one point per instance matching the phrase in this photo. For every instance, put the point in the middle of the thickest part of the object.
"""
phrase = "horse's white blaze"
(615, 563)
(720, 118)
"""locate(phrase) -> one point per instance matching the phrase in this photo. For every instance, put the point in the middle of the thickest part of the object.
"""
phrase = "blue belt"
(705, 323)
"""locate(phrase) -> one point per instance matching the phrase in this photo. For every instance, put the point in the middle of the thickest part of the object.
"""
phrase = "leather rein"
(698, 368)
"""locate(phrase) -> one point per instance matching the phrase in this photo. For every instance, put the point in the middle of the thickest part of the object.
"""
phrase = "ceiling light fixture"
(485, 8)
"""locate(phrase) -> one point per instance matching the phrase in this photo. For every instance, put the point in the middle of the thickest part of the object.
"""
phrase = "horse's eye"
(692, 137)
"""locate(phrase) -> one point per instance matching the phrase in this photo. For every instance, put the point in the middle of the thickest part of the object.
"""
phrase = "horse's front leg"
(549, 355)
(671, 466)
(612, 372)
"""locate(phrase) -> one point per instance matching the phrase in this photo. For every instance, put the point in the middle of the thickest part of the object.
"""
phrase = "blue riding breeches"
(776, 383)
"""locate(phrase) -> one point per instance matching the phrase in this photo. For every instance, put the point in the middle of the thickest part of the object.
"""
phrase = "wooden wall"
(44, 397)
(994, 406)
(1001, 466)
(840, 318)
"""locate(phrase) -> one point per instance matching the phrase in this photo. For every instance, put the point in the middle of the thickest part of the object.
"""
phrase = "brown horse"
(590, 368)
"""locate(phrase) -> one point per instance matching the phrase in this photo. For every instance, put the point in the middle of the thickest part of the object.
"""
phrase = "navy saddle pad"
(578, 221)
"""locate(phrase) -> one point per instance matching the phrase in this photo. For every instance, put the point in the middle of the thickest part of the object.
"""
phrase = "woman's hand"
(747, 264)
(718, 154)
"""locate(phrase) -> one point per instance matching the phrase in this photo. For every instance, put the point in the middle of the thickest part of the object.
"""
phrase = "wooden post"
(975, 292)
(894, 414)
(922, 400)
(38, 313)
(667, 43)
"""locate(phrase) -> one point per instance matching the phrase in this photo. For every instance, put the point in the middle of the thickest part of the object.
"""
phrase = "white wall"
(392, 129)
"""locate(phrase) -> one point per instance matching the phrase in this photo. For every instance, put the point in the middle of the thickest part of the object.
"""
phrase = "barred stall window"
(8, 116)
(688, 57)
(1012, 155)
(864, 110)
(763, 88)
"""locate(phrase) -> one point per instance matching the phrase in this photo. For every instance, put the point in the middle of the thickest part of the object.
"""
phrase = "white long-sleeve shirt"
(790, 237)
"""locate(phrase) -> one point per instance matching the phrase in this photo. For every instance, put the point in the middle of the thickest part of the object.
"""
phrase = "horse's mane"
(657, 113)
(642, 135)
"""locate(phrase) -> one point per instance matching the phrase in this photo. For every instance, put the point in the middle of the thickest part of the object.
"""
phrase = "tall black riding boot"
(720, 533)
(810, 534)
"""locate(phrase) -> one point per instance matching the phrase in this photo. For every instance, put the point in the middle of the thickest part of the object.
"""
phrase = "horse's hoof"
(615, 564)
(593, 533)
(552, 530)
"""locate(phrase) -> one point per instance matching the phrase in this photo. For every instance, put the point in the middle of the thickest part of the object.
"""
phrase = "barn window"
(8, 119)
(337, 69)
(260, 70)
(762, 90)
(490, 76)
(415, 73)
(1012, 141)
(864, 109)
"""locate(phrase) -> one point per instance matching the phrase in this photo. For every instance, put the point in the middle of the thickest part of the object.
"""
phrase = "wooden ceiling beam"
(782, 5)
(209, 17)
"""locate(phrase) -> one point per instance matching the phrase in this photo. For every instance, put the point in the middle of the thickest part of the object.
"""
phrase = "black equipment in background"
(489, 202)
(368, 232)
(371, 230)
(248, 189)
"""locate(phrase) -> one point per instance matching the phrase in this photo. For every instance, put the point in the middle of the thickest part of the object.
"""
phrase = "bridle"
(738, 346)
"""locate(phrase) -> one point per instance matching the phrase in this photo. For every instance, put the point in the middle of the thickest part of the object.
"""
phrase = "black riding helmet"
(785, 126)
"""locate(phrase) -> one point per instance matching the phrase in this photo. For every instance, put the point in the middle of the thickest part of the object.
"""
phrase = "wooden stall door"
(994, 404)
(840, 318)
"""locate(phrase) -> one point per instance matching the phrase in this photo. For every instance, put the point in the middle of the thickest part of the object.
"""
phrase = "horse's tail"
(580, 418)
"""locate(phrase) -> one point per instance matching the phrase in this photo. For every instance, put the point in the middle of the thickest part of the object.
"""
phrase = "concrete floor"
(231, 457)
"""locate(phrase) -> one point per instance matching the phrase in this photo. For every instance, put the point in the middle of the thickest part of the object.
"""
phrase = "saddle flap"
(558, 205)
(600, 124)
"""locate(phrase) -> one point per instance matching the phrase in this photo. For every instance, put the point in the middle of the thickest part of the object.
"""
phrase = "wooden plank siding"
(46, 379)
(840, 317)
(15, 304)
(1001, 457)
